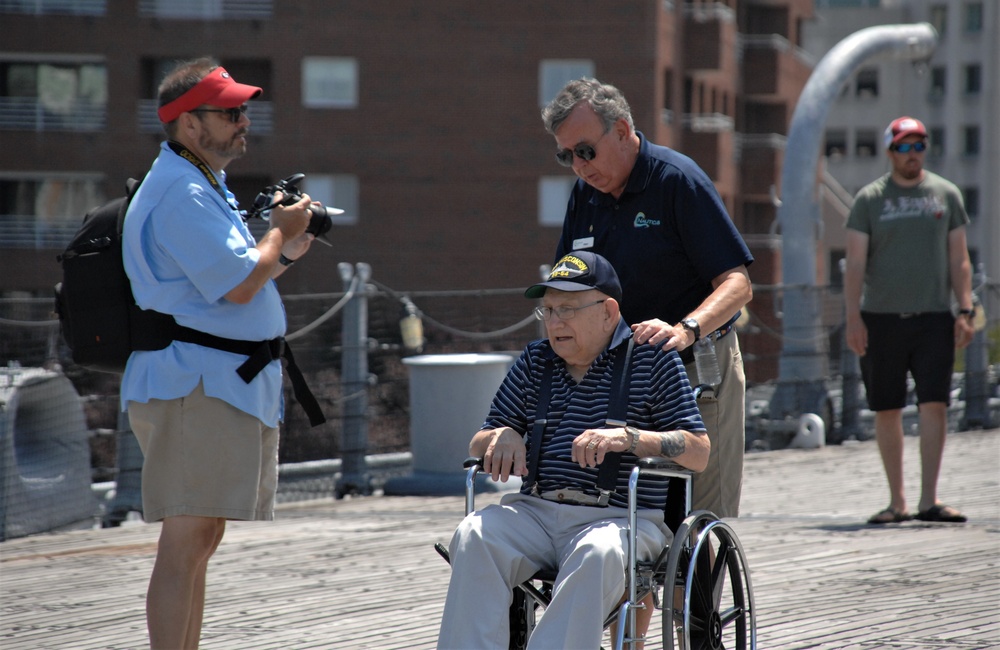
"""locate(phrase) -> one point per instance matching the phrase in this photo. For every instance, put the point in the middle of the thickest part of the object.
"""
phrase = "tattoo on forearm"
(672, 444)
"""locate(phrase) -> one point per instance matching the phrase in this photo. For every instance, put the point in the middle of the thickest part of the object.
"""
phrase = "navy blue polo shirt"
(667, 236)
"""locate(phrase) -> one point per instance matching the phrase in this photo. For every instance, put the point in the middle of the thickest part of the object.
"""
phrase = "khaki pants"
(718, 487)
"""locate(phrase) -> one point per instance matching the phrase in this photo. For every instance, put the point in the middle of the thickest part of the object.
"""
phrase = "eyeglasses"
(562, 312)
(919, 147)
(234, 113)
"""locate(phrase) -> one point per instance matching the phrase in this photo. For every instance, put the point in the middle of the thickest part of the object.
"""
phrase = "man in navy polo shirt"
(656, 216)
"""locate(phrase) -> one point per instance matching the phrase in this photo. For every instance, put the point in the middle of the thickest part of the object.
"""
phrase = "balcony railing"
(30, 232)
(30, 114)
(206, 9)
(261, 116)
(707, 122)
(62, 7)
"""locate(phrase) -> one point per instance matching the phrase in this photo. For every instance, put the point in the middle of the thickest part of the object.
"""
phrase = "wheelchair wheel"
(707, 571)
(522, 619)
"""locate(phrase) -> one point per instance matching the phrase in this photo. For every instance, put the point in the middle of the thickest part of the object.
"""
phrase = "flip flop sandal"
(889, 516)
(941, 512)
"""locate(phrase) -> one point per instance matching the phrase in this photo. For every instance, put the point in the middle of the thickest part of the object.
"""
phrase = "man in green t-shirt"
(906, 255)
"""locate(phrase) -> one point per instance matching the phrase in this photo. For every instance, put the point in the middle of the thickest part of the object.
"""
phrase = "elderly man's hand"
(590, 446)
(505, 455)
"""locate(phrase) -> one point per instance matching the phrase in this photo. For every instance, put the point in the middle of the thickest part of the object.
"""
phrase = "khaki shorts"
(206, 458)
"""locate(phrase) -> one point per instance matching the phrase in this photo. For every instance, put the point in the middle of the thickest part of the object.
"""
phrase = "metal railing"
(261, 116)
(30, 114)
(206, 9)
(63, 7)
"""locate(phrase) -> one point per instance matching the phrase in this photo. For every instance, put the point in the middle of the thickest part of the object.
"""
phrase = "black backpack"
(102, 325)
(98, 316)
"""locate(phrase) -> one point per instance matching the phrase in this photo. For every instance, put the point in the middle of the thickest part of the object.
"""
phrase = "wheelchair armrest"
(663, 467)
(473, 461)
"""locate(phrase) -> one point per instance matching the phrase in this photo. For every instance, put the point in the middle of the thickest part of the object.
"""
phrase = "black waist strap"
(259, 354)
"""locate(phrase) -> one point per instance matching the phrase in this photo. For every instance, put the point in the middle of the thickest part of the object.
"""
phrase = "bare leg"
(889, 434)
(643, 615)
(176, 598)
(933, 429)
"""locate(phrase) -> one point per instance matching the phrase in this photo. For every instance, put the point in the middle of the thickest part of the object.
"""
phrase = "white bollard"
(811, 433)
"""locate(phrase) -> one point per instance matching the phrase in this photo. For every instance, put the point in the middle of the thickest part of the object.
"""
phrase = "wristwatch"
(632, 431)
(285, 261)
(692, 325)
(968, 313)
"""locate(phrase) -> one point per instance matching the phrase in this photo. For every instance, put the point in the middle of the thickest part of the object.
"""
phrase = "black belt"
(259, 354)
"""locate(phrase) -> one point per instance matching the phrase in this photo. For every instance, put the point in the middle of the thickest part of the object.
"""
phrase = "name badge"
(583, 243)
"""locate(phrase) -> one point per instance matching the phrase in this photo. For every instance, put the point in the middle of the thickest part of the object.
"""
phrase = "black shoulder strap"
(131, 186)
(538, 428)
(607, 475)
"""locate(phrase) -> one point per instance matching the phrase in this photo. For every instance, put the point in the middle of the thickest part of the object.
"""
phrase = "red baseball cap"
(901, 127)
(218, 88)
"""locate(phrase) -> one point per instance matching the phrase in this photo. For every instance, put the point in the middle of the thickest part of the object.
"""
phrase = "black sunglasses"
(234, 113)
(919, 147)
(581, 151)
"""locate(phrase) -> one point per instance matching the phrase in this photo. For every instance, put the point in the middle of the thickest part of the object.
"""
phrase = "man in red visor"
(205, 409)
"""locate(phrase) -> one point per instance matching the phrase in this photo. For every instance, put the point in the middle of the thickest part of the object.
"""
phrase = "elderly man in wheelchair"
(573, 418)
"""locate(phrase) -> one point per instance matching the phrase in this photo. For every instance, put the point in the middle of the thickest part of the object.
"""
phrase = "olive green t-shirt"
(907, 268)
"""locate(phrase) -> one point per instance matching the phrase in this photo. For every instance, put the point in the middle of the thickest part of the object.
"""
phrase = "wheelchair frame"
(704, 559)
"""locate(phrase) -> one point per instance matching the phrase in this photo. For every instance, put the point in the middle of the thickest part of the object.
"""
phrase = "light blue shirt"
(184, 249)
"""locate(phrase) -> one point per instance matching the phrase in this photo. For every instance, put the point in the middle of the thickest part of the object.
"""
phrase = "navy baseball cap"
(580, 271)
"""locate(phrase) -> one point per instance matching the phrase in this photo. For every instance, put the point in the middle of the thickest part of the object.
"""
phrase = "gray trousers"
(501, 546)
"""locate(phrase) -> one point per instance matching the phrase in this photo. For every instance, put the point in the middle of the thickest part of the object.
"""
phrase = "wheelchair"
(699, 582)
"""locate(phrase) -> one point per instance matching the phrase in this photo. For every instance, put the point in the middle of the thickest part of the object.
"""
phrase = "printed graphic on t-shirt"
(912, 207)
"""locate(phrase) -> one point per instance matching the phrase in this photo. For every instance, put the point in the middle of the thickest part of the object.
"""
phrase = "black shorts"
(923, 344)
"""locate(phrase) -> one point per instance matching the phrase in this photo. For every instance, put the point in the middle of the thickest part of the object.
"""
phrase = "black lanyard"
(186, 154)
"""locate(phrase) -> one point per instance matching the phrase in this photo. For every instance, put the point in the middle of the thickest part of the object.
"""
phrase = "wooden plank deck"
(361, 573)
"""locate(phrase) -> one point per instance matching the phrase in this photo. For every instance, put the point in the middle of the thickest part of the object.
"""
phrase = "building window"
(866, 143)
(974, 17)
(939, 19)
(973, 82)
(936, 141)
(329, 82)
(971, 199)
(554, 73)
(971, 140)
(553, 194)
(336, 191)
(44, 211)
(939, 79)
(836, 142)
(53, 96)
(867, 83)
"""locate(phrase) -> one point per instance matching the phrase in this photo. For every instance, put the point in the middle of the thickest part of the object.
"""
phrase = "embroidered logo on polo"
(570, 266)
(641, 221)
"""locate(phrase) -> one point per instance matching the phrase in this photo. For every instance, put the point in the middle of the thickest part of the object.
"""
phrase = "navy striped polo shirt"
(660, 399)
